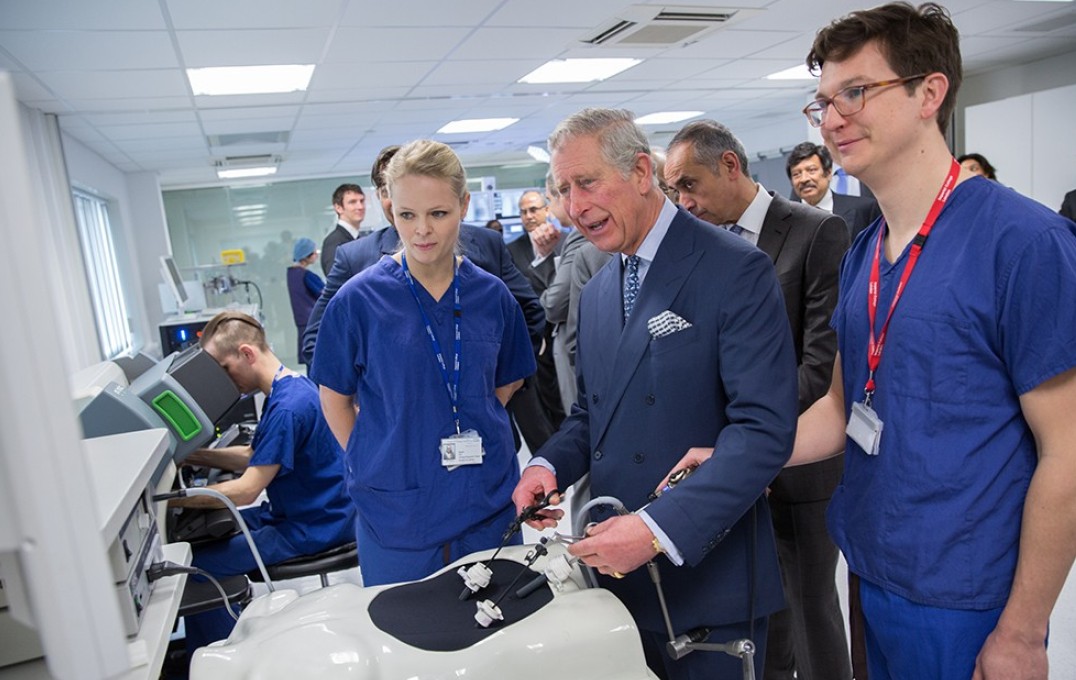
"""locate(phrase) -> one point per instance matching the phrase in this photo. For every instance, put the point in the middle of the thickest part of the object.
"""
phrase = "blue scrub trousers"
(911, 641)
(380, 565)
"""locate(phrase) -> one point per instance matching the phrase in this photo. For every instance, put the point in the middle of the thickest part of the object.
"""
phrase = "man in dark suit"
(708, 165)
(350, 205)
(534, 254)
(683, 342)
(810, 169)
(485, 248)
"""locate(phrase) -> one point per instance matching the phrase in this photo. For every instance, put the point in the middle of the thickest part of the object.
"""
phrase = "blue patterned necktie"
(735, 229)
(631, 285)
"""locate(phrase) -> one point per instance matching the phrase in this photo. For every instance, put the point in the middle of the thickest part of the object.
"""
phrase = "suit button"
(597, 455)
(650, 400)
(594, 399)
(639, 458)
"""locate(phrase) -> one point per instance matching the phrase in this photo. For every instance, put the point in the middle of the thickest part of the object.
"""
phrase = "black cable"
(754, 569)
(247, 285)
(159, 570)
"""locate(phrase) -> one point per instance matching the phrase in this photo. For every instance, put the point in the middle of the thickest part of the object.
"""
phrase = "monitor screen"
(174, 281)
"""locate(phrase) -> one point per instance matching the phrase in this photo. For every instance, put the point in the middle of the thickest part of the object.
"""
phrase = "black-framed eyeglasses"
(850, 100)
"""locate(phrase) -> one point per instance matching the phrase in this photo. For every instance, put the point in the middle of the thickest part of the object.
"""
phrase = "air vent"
(650, 26)
(233, 162)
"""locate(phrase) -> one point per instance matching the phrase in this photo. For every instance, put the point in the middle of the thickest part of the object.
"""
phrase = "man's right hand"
(535, 483)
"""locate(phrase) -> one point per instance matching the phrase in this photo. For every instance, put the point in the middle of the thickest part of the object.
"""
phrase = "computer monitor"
(174, 281)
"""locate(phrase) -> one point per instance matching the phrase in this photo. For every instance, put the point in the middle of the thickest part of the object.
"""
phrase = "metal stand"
(680, 647)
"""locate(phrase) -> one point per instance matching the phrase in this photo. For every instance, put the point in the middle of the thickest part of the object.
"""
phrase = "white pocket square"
(666, 323)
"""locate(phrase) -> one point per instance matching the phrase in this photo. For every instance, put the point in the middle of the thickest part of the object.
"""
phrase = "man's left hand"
(616, 546)
(545, 239)
(1007, 655)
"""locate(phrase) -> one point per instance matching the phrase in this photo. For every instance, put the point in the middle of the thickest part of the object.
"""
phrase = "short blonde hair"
(427, 158)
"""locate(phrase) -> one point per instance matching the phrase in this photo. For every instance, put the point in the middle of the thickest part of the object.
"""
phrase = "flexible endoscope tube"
(213, 493)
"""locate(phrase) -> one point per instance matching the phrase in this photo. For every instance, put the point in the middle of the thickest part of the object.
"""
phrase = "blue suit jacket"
(484, 247)
(729, 381)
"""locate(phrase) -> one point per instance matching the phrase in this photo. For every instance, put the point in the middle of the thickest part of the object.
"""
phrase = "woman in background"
(416, 357)
(977, 163)
(304, 286)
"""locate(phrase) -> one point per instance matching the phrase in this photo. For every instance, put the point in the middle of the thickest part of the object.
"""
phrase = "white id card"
(464, 448)
(865, 428)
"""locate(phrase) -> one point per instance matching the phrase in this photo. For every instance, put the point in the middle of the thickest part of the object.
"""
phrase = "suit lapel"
(672, 266)
(775, 227)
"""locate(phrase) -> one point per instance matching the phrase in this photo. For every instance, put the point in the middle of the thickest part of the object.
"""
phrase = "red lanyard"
(875, 346)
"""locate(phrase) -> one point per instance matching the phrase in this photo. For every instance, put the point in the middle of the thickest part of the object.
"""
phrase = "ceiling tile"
(252, 47)
(252, 125)
(117, 84)
(417, 13)
(356, 77)
(366, 45)
(493, 75)
(200, 14)
(90, 50)
(251, 113)
(80, 14)
(141, 117)
(150, 130)
(365, 94)
(517, 43)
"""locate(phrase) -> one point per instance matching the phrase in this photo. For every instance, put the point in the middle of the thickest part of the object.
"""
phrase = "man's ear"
(935, 86)
(644, 171)
(248, 353)
(731, 163)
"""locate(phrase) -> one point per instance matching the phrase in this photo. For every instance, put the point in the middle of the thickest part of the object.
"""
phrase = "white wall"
(1029, 139)
(137, 214)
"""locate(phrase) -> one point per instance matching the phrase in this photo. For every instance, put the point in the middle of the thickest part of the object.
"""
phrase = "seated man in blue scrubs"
(293, 458)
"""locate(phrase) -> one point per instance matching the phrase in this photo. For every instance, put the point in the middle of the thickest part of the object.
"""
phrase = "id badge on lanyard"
(464, 448)
(864, 425)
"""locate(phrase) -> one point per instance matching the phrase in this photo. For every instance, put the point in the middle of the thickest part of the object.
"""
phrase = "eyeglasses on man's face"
(850, 100)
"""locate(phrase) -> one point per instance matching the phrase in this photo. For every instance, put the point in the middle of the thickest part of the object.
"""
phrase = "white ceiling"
(394, 70)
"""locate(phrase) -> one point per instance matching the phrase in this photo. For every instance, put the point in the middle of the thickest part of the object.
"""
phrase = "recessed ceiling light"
(237, 173)
(476, 125)
(799, 72)
(662, 117)
(538, 153)
(218, 80)
(578, 70)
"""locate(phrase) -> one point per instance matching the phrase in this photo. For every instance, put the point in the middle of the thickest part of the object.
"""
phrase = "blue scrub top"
(373, 343)
(308, 500)
(989, 314)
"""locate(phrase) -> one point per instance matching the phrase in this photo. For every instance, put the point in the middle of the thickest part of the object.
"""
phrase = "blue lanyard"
(272, 385)
(453, 387)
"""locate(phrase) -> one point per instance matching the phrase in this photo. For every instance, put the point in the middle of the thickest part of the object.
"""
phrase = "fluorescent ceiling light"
(538, 153)
(662, 117)
(578, 70)
(238, 173)
(795, 73)
(219, 80)
(476, 125)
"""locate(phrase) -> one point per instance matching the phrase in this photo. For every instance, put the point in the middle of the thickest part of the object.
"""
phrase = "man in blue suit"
(683, 343)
